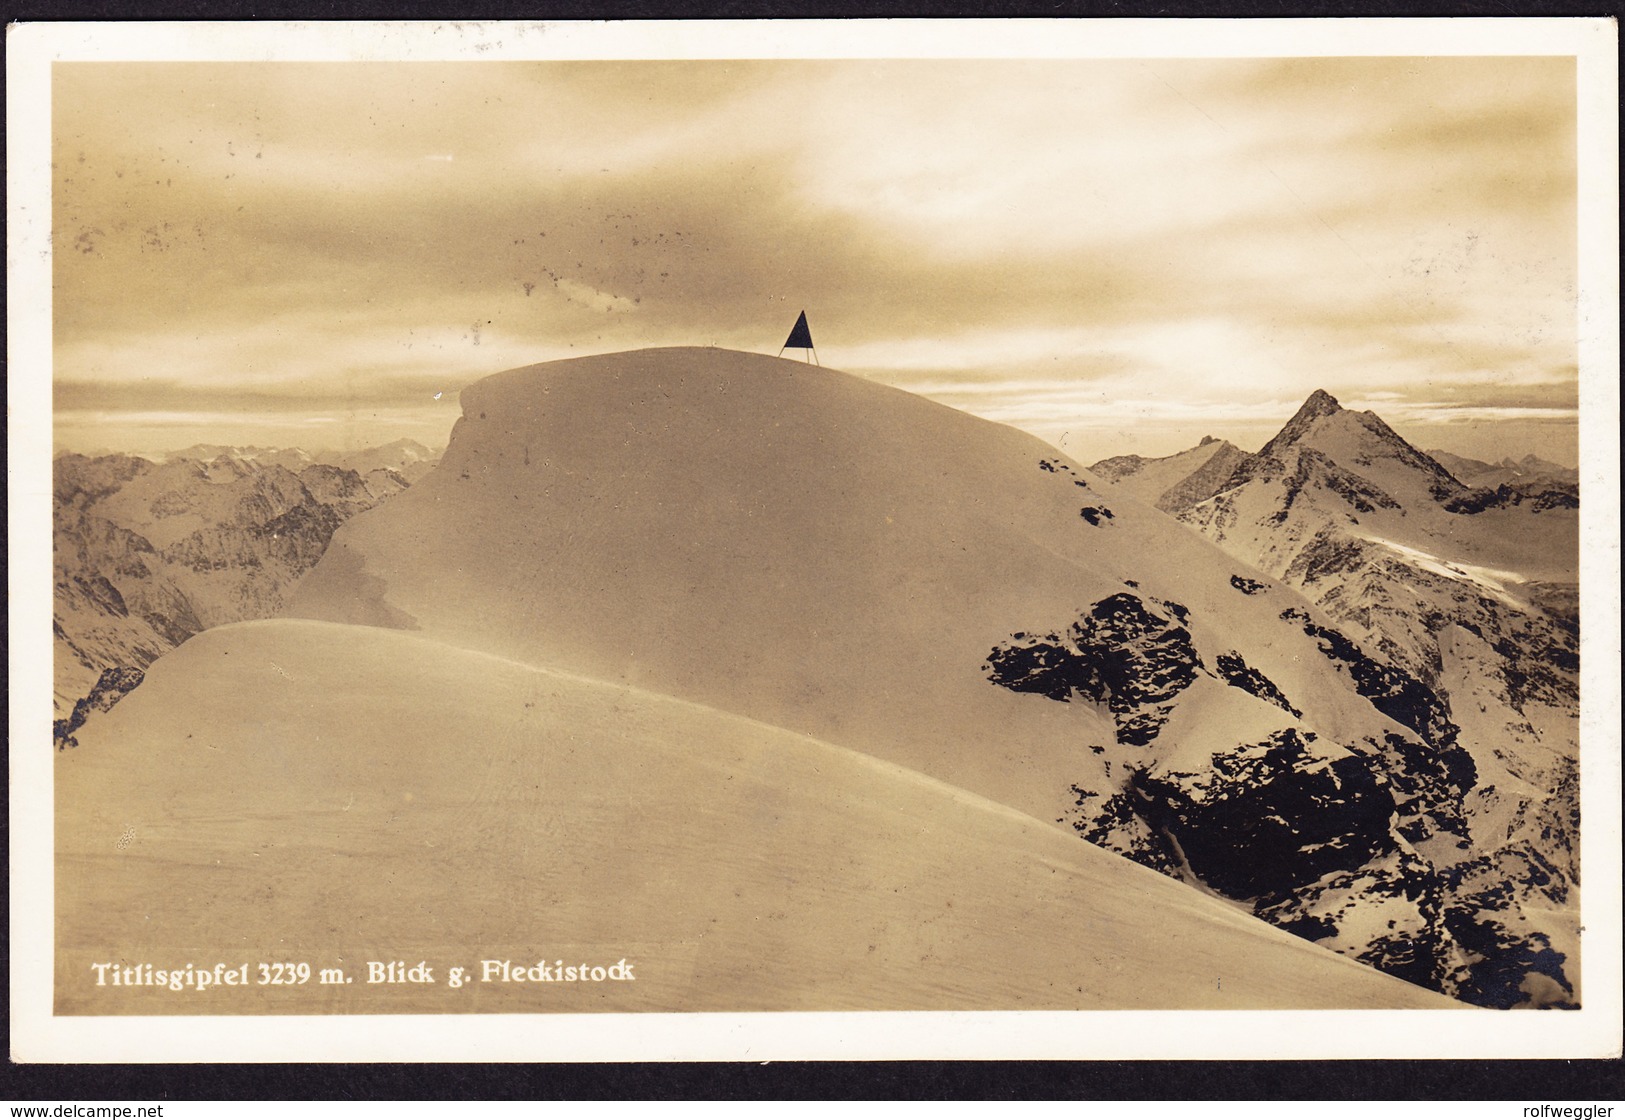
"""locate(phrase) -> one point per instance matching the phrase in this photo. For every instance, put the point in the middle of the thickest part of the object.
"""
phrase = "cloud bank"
(1057, 244)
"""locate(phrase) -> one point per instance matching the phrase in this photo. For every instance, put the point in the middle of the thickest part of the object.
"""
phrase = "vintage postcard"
(900, 539)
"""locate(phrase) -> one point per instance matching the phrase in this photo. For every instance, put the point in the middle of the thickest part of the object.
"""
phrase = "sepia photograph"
(556, 529)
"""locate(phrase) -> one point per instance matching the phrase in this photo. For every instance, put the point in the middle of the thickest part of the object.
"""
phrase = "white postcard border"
(39, 1036)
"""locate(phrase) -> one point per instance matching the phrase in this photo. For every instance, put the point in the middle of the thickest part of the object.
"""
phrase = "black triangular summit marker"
(800, 338)
(800, 335)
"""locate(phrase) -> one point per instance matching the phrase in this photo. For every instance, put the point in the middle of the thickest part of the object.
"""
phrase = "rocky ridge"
(1465, 600)
(1365, 844)
(147, 554)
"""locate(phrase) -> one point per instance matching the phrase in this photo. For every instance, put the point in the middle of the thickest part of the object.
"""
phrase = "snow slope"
(294, 791)
(799, 546)
(848, 561)
(146, 554)
(1174, 482)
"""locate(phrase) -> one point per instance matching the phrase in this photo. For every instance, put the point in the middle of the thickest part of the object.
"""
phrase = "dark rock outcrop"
(1270, 817)
(1538, 494)
(1366, 846)
(113, 685)
(1119, 653)
(1238, 674)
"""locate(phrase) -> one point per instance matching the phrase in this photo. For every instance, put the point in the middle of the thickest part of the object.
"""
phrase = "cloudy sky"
(1123, 255)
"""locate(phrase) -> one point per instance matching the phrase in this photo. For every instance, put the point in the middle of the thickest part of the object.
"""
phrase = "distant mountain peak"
(406, 444)
(1350, 440)
(1207, 440)
(1532, 464)
(1319, 405)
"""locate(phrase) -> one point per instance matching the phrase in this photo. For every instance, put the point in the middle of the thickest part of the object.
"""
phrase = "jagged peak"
(1207, 440)
(1320, 404)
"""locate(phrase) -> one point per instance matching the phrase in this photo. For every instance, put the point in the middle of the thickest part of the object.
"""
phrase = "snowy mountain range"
(147, 554)
(1481, 475)
(1473, 605)
(406, 457)
(774, 669)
